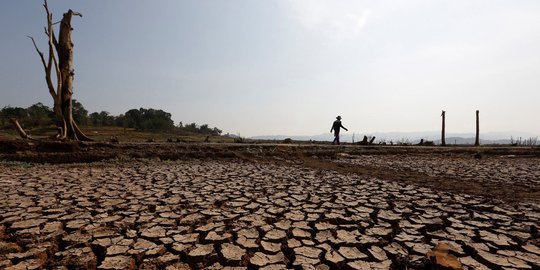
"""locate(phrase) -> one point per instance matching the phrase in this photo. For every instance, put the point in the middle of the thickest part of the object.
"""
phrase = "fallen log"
(19, 129)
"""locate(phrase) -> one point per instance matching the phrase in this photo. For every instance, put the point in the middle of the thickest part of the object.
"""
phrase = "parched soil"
(266, 206)
(509, 179)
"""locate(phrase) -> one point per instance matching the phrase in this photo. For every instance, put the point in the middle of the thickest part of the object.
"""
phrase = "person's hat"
(338, 117)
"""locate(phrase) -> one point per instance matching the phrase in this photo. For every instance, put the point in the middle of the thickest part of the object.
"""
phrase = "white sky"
(291, 66)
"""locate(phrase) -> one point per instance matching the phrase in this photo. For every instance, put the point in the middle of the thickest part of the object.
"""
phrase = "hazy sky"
(291, 66)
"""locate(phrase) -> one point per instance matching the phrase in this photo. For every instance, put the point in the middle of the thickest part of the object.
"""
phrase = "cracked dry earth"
(232, 214)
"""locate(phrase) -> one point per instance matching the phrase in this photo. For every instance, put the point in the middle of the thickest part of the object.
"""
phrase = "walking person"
(336, 126)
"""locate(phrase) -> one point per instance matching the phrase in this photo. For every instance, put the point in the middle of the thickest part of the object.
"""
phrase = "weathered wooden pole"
(443, 139)
(477, 140)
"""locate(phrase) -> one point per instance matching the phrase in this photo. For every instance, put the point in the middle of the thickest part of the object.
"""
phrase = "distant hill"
(412, 137)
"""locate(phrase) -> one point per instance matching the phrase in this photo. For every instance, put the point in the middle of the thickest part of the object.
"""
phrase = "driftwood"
(366, 141)
(425, 143)
(19, 129)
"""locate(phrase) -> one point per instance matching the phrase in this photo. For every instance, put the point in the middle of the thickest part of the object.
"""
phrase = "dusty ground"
(268, 207)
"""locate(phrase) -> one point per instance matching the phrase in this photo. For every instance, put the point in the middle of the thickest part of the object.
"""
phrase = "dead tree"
(477, 140)
(61, 59)
(443, 139)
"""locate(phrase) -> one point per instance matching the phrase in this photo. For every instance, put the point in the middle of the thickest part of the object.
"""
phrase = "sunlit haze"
(291, 66)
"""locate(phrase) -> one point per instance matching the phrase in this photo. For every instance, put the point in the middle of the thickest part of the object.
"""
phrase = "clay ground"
(267, 207)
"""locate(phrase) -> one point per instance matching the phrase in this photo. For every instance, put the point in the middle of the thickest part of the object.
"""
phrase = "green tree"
(204, 129)
(106, 119)
(192, 128)
(120, 121)
(40, 115)
(133, 118)
(15, 112)
(95, 119)
(216, 131)
(80, 114)
(156, 120)
(149, 119)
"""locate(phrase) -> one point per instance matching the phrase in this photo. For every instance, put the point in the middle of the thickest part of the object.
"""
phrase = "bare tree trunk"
(19, 129)
(443, 139)
(477, 140)
(65, 61)
(62, 62)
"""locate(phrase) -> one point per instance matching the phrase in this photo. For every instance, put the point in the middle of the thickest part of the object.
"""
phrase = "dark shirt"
(336, 126)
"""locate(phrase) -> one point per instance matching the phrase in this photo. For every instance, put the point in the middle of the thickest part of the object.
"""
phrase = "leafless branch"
(52, 57)
(47, 70)
(46, 7)
(39, 52)
(55, 42)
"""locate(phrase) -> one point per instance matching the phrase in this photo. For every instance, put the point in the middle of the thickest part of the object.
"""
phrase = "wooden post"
(477, 141)
(443, 139)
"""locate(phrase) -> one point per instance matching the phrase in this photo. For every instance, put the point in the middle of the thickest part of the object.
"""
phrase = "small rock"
(440, 257)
